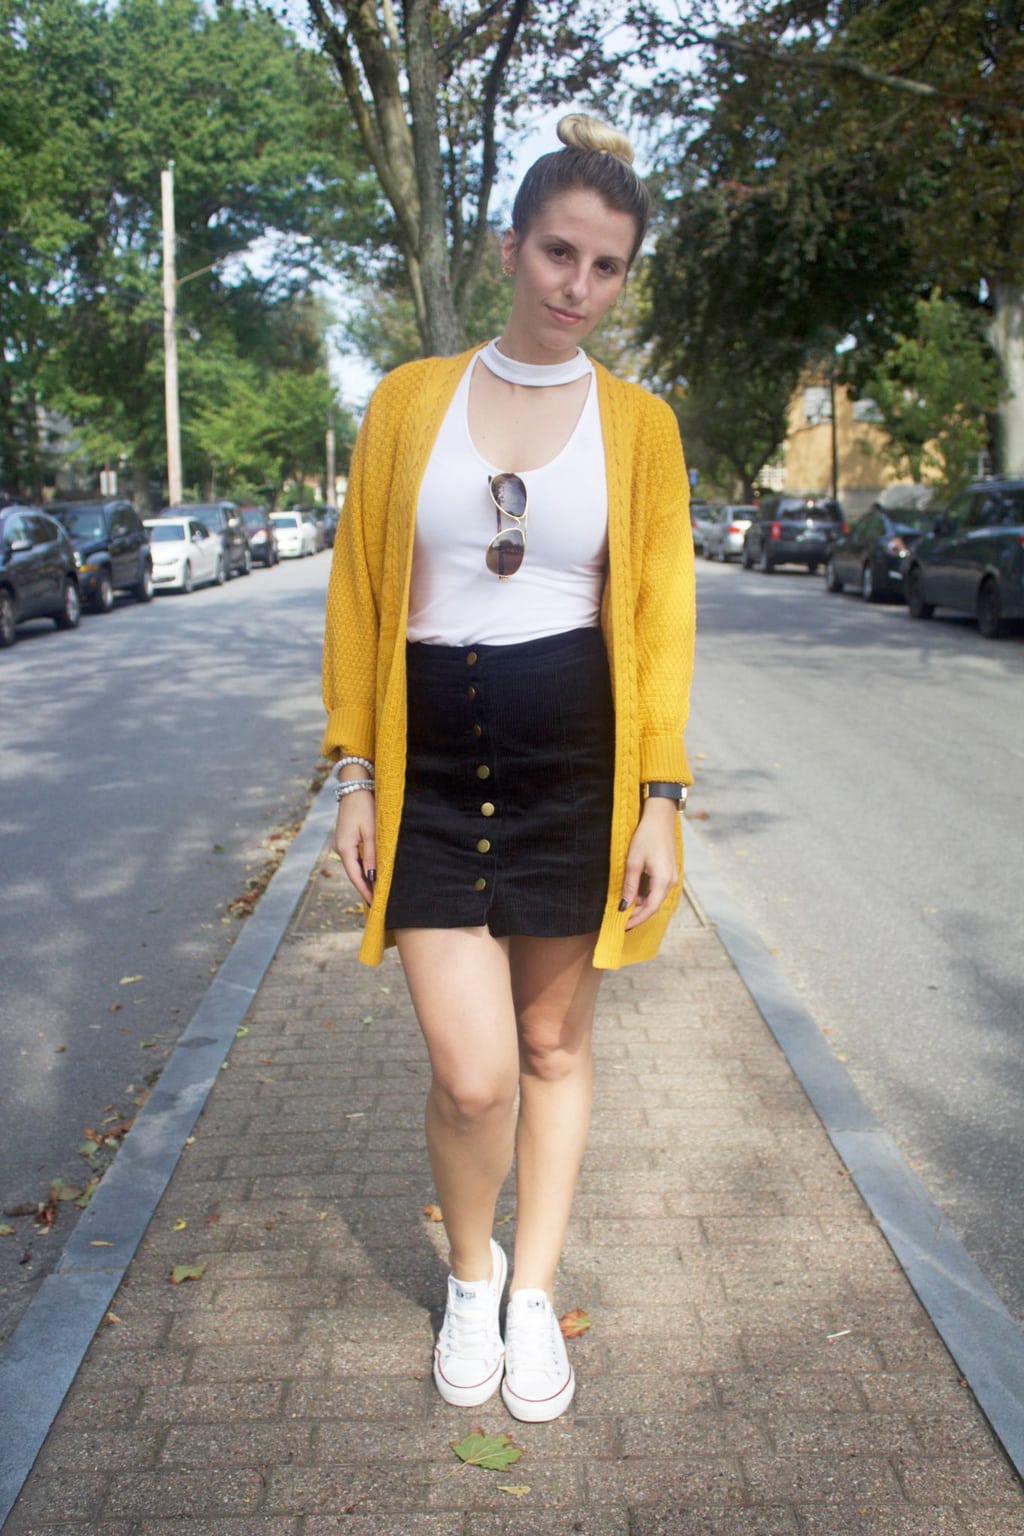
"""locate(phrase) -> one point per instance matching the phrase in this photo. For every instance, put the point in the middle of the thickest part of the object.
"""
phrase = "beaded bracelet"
(364, 762)
(350, 786)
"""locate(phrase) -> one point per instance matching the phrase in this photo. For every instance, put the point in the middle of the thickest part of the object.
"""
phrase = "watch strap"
(662, 789)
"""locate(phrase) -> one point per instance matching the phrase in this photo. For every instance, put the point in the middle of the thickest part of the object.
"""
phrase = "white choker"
(515, 372)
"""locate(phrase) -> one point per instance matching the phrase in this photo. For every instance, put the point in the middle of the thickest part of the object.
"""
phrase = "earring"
(508, 271)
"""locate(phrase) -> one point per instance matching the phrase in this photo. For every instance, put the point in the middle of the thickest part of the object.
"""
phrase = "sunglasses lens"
(505, 553)
(509, 493)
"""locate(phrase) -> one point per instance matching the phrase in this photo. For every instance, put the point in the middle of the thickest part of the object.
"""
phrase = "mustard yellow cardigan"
(647, 614)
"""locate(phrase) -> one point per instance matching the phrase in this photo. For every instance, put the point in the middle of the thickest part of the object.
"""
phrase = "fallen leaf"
(100, 1242)
(517, 1488)
(496, 1453)
(574, 1323)
(182, 1272)
(126, 981)
(6, 1231)
(242, 1030)
(433, 1212)
(115, 1007)
(179, 1224)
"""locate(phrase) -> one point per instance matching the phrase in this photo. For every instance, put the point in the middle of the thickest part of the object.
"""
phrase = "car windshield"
(82, 525)
(253, 519)
(285, 520)
(910, 519)
(166, 533)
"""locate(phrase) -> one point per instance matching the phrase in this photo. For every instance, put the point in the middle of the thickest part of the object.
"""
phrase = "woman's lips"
(568, 316)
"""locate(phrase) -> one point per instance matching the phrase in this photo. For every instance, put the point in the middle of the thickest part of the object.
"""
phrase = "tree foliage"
(434, 89)
(104, 98)
(933, 390)
(846, 159)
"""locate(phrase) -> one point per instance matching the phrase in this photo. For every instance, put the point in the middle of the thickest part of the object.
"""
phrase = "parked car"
(38, 578)
(792, 530)
(262, 534)
(185, 553)
(111, 550)
(723, 539)
(872, 558)
(221, 518)
(702, 516)
(972, 560)
(296, 536)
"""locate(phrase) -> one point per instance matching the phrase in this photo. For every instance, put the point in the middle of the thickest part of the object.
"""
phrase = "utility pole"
(170, 340)
(331, 475)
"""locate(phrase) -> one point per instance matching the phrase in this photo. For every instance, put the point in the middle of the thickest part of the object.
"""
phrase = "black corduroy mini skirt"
(506, 820)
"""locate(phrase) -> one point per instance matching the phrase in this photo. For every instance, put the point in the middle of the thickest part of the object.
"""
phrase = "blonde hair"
(596, 158)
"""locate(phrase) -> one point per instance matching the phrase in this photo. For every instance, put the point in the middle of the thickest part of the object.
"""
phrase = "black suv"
(223, 519)
(972, 560)
(37, 572)
(792, 530)
(111, 550)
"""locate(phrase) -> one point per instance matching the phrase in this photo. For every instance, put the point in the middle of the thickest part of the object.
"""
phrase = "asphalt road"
(860, 777)
(145, 760)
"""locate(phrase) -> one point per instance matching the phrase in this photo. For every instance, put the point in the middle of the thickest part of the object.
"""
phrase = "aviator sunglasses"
(506, 550)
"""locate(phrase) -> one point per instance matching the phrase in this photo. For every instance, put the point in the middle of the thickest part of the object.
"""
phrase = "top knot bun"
(577, 130)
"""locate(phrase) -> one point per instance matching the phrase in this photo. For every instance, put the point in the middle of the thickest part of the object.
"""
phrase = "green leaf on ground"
(494, 1452)
(183, 1272)
(6, 1231)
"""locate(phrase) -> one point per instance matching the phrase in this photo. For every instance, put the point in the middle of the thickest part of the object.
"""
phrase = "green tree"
(434, 88)
(916, 108)
(235, 103)
(934, 389)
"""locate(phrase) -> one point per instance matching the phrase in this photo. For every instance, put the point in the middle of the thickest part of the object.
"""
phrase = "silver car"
(723, 539)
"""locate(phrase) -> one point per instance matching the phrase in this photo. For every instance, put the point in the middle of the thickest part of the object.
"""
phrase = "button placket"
(484, 847)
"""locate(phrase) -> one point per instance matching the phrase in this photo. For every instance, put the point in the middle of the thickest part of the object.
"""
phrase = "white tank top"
(455, 600)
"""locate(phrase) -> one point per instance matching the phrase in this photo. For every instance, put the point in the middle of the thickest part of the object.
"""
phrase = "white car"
(185, 553)
(724, 539)
(295, 536)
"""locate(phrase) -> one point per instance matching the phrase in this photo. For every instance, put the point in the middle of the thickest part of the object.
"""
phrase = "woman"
(514, 556)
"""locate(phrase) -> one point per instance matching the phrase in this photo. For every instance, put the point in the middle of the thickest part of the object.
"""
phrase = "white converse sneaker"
(469, 1353)
(539, 1382)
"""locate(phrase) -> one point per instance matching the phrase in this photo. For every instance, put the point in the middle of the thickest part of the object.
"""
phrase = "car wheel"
(187, 582)
(868, 585)
(219, 576)
(70, 607)
(832, 582)
(765, 563)
(919, 609)
(745, 561)
(990, 610)
(143, 588)
(812, 569)
(104, 599)
(8, 620)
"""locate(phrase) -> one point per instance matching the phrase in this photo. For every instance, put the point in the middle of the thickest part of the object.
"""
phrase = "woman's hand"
(651, 868)
(355, 840)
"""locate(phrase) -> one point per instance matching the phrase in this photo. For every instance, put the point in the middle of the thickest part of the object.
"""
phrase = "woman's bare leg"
(555, 989)
(460, 986)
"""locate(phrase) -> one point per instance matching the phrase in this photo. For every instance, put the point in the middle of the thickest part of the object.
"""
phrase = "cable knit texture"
(647, 613)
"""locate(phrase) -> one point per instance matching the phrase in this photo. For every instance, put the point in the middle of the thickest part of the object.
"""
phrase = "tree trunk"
(443, 332)
(1006, 333)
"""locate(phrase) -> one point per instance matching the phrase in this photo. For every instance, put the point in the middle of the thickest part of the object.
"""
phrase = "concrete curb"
(970, 1318)
(71, 1303)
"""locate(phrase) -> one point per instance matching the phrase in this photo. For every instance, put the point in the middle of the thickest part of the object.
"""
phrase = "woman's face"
(569, 270)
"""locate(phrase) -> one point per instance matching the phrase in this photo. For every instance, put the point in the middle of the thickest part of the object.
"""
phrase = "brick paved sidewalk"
(757, 1365)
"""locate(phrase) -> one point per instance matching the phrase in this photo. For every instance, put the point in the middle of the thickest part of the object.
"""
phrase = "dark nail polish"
(371, 876)
(623, 905)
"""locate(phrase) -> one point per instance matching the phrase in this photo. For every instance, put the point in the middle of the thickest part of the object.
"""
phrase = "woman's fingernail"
(623, 905)
(371, 876)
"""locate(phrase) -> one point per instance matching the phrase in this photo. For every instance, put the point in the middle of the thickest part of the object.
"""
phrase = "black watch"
(658, 789)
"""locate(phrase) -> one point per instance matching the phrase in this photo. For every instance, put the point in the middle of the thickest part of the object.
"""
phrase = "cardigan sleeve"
(352, 628)
(665, 600)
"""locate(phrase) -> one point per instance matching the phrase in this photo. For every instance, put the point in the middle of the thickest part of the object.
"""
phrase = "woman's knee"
(468, 1101)
(553, 1052)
